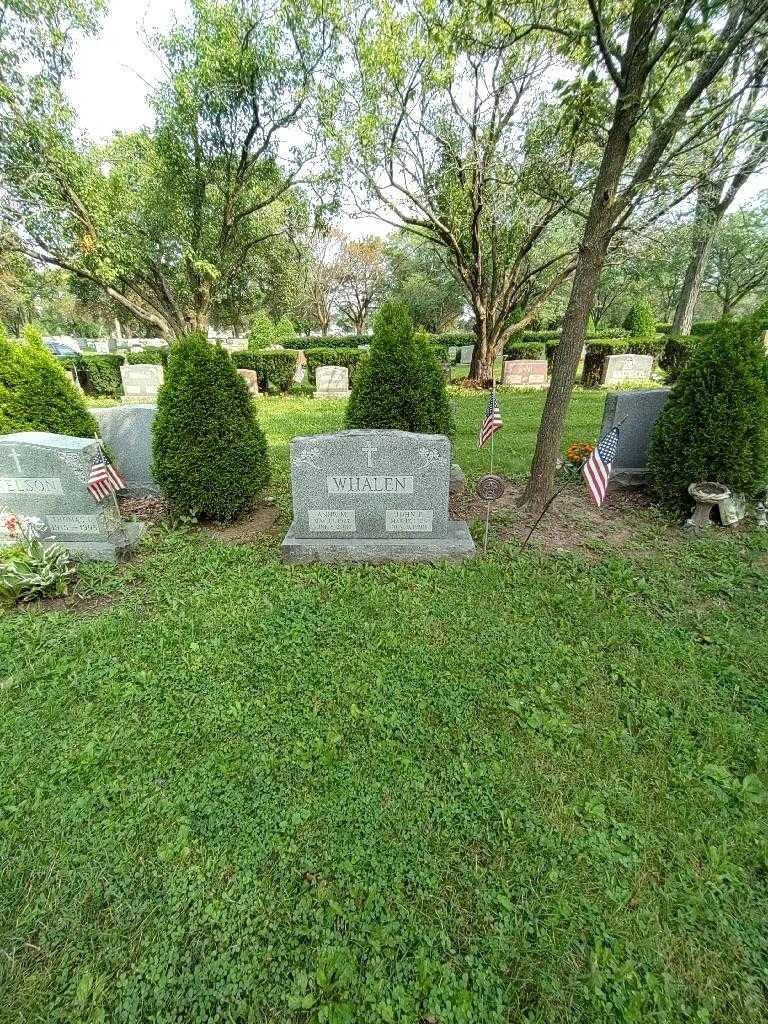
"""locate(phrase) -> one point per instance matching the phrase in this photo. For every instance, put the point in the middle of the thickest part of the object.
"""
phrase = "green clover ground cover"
(523, 789)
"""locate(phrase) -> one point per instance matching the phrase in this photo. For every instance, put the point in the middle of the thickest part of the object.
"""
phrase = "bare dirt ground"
(261, 522)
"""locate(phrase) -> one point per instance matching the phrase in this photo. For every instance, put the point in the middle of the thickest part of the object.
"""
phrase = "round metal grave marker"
(489, 487)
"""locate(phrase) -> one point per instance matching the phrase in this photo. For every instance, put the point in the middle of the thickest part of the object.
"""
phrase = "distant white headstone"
(332, 382)
(141, 380)
(622, 368)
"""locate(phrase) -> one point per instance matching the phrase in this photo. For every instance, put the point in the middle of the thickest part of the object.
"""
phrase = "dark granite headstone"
(127, 431)
(635, 413)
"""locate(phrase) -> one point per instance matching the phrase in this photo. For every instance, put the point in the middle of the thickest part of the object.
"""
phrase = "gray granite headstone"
(453, 351)
(332, 382)
(44, 479)
(465, 354)
(127, 431)
(635, 413)
(251, 379)
(373, 496)
(141, 380)
(623, 368)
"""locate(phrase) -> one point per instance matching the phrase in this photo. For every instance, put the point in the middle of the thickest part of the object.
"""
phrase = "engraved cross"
(370, 451)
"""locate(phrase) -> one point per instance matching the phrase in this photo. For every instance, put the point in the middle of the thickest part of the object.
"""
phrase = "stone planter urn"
(706, 494)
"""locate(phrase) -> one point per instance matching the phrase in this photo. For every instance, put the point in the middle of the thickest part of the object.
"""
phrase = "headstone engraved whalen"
(44, 479)
(331, 382)
(635, 414)
(141, 380)
(127, 431)
(622, 368)
(373, 496)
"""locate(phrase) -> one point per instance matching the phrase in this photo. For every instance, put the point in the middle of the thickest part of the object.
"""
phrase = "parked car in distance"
(60, 349)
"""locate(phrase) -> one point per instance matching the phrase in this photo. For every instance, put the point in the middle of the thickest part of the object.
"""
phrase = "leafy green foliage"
(99, 375)
(525, 350)
(580, 803)
(156, 356)
(36, 393)
(396, 388)
(641, 319)
(677, 350)
(29, 570)
(715, 424)
(210, 456)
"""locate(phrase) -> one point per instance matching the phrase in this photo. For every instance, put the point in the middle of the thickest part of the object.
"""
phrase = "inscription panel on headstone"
(370, 484)
(525, 373)
(141, 380)
(331, 382)
(622, 368)
(45, 480)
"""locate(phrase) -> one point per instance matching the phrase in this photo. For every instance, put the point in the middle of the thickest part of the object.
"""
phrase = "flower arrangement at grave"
(28, 568)
(578, 453)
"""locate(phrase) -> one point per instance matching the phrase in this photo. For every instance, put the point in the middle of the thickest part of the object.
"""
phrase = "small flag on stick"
(103, 479)
(492, 421)
(597, 468)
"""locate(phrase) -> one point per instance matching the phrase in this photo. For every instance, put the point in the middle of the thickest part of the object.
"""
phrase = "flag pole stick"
(488, 504)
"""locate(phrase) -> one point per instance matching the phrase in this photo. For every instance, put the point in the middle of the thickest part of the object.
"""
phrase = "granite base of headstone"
(332, 382)
(373, 496)
(141, 380)
(127, 432)
(524, 373)
(635, 414)
(44, 480)
(624, 368)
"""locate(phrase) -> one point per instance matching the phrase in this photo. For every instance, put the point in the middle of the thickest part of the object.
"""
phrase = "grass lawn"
(522, 789)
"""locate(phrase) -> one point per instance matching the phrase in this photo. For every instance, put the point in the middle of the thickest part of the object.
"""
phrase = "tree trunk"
(599, 226)
(705, 223)
(484, 355)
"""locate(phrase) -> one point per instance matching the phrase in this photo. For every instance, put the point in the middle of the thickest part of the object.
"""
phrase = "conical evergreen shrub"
(36, 393)
(641, 320)
(210, 455)
(715, 424)
(400, 386)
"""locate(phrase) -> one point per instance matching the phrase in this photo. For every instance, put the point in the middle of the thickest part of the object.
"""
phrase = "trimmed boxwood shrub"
(349, 357)
(664, 328)
(210, 455)
(36, 392)
(715, 424)
(678, 349)
(641, 320)
(436, 405)
(525, 350)
(275, 368)
(157, 356)
(99, 375)
(396, 387)
(702, 328)
(329, 341)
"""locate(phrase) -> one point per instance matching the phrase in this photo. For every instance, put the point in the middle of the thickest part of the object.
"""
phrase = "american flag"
(597, 468)
(492, 421)
(103, 479)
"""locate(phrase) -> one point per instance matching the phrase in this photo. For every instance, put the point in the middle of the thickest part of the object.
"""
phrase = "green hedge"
(664, 328)
(275, 369)
(525, 350)
(157, 356)
(701, 328)
(678, 349)
(98, 375)
(330, 341)
(349, 357)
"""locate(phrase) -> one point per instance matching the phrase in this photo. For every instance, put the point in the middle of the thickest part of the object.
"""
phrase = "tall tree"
(420, 279)
(737, 150)
(452, 141)
(363, 271)
(165, 221)
(738, 265)
(658, 61)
